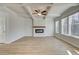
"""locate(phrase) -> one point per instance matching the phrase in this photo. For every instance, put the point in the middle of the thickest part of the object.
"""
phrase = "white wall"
(49, 27)
(28, 27)
(48, 22)
(18, 27)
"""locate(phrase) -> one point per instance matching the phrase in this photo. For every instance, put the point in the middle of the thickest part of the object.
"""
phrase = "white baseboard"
(8, 42)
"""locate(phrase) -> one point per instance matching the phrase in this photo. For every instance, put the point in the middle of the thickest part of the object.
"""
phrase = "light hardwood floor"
(37, 46)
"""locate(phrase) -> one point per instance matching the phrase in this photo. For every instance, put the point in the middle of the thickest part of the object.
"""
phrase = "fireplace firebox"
(39, 30)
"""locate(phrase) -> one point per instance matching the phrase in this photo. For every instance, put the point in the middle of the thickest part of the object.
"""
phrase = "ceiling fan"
(40, 12)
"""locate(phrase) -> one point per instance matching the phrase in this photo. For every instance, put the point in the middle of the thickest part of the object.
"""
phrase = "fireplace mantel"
(39, 26)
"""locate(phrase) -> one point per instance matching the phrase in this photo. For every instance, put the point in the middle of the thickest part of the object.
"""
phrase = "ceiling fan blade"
(44, 12)
(34, 13)
(37, 11)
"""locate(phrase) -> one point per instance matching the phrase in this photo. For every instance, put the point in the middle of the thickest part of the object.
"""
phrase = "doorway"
(2, 29)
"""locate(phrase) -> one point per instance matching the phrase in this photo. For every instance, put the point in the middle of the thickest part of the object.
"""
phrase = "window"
(69, 25)
(57, 26)
(64, 24)
(74, 24)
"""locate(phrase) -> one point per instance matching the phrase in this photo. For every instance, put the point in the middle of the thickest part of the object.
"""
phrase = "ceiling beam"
(28, 10)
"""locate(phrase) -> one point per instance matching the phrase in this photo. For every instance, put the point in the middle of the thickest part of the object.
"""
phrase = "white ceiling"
(24, 10)
(58, 8)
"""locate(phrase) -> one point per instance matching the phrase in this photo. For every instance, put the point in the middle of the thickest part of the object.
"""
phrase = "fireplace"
(39, 30)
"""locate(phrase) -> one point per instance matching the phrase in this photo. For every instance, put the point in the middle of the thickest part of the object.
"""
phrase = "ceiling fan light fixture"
(39, 14)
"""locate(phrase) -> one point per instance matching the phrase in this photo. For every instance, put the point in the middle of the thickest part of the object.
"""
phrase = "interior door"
(2, 29)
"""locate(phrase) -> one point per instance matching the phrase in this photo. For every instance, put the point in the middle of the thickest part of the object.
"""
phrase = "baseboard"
(8, 42)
